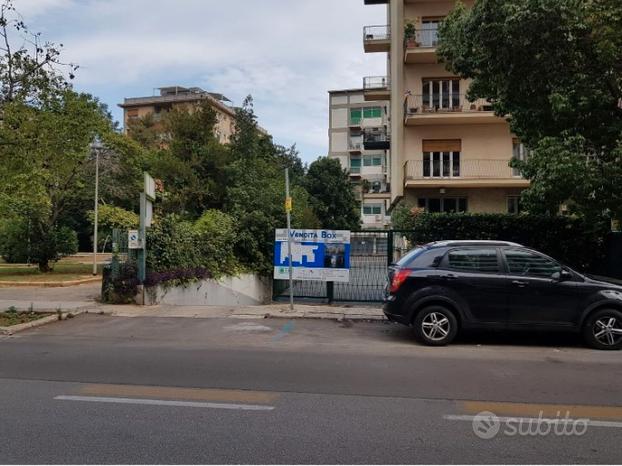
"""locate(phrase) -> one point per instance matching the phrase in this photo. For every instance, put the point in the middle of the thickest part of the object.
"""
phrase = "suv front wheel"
(603, 329)
(435, 326)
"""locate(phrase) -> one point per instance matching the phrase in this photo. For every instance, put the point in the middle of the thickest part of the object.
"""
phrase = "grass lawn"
(62, 272)
(14, 317)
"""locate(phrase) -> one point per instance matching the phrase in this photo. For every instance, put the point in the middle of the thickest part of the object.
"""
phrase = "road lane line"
(589, 422)
(546, 410)
(143, 401)
(178, 393)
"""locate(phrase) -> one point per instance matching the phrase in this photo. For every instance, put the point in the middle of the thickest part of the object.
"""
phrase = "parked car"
(446, 286)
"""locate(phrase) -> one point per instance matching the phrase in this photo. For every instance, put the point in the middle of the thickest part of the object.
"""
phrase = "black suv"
(444, 286)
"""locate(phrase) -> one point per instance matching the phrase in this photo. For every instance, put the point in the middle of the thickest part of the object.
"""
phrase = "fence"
(121, 254)
(371, 252)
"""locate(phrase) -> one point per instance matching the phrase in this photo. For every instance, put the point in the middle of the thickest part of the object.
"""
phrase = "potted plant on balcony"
(366, 186)
(410, 35)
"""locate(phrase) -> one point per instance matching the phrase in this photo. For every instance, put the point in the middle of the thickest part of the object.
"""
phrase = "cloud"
(287, 54)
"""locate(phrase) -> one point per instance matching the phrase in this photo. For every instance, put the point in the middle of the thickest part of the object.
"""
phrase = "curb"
(50, 284)
(337, 317)
(38, 323)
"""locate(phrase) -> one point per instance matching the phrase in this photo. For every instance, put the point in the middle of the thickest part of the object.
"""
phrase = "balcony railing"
(415, 105)
(422, 38)
(376, 33)
(376, 82)
(465, 169)
(355, 146)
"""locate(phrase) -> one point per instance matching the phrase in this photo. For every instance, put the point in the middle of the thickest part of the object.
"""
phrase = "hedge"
(573, 241)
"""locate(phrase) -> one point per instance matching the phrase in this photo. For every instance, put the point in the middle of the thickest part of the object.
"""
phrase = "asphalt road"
(99, 389)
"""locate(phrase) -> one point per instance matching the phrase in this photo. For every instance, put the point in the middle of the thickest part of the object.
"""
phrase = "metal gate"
(371, 252)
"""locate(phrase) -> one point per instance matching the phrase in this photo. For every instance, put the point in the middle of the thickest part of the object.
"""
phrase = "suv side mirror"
(562, 276)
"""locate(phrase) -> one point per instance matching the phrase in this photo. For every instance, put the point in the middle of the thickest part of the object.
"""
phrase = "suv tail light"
(399, 277)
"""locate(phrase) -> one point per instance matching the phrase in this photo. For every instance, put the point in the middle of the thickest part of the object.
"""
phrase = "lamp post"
(95, 147)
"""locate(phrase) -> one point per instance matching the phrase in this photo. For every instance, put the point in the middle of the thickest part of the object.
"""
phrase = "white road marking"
(589, 422)
(143, 401)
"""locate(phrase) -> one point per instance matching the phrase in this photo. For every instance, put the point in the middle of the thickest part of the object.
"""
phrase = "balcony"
(447, 109)
(355, 147)
(376, 88)
(420, 46)
(466, 173)
(376, 39)
(376, 139)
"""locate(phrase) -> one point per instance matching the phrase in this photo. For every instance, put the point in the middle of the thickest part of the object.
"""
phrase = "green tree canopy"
(553, 68)
(332, 197)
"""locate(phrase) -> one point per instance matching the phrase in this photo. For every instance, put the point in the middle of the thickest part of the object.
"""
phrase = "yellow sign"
(288, 204)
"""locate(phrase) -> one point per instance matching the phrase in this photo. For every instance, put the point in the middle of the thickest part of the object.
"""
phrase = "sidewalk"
(275, 310)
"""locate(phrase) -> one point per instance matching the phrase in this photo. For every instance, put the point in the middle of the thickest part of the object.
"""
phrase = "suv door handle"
(519, 283)
(450, 276)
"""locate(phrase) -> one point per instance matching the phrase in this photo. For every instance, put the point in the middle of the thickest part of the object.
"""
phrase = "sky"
(286, 53)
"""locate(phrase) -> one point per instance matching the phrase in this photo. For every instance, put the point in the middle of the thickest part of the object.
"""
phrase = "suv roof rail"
(449, 243)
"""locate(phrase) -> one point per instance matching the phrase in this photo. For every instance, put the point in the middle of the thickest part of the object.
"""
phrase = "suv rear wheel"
(603, 329)
(435, 326)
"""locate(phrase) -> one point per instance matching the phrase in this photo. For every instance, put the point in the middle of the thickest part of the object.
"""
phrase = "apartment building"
(449, 154)
(353, 119)
(182, 97)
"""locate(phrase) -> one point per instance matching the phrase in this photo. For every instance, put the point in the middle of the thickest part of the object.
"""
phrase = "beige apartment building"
(448, 154)
(350, 118)
(182, 97)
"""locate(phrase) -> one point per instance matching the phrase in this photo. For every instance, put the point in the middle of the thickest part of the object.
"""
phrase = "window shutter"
(442, 145)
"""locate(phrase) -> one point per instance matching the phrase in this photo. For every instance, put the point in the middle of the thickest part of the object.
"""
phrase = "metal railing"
(376, 136)
(354, 146)
(422, 38)
(415, 105)
(376, 32)
(470, 169)
(376, 82)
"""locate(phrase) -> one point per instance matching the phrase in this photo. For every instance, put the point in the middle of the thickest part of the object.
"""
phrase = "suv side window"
(527, 263)
(473, 260)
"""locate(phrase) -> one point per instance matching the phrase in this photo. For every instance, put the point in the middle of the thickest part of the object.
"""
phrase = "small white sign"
(133, 240)
(150, 187)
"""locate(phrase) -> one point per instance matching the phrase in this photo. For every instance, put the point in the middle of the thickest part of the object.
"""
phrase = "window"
(373, 160)
(356, 115)
(372, 209)
(514, 205)
(441, 164)
(448, 205)
(372, 112)
(473, 260)
(441, 94)
(521, 262)
(355, 165)
(428, 36)
(519, 152)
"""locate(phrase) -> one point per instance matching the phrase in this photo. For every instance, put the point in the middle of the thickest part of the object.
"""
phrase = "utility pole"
(288, 210)
(96, 147)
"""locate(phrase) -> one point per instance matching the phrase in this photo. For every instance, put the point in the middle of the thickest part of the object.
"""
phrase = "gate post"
(330, 292)
(389, 247)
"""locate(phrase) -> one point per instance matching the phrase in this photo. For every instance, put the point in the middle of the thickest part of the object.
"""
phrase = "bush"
(172, 245)
(121, 289)
(215, 234)
(571, 240)
(20, 243)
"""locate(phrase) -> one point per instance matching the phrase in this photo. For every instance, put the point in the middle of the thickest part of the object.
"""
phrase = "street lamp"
(96, 146)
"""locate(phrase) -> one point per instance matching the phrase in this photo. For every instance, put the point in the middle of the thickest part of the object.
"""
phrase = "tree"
(191, 162)
(553, 68)
(29, 66)
(45, 148)
(332, 197)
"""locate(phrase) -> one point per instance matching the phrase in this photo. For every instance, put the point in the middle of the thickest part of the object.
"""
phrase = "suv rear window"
(409, 257)
(473, 260)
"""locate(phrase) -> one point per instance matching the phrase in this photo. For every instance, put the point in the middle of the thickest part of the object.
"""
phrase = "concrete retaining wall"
(244, 290)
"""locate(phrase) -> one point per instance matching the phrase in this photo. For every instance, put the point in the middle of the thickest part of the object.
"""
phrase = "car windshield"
(409, 257)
